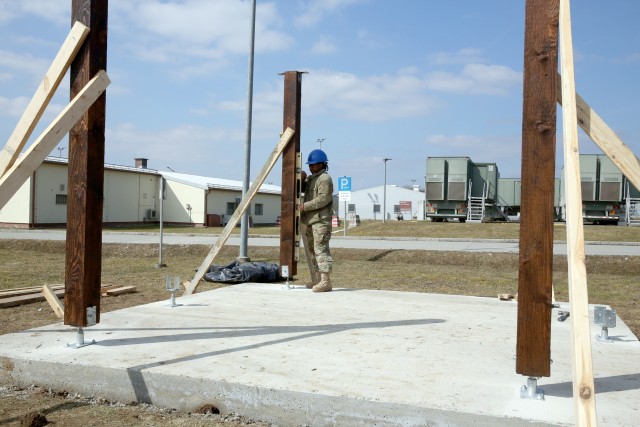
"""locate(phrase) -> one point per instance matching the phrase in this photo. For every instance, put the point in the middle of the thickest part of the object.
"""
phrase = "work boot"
(315, 279)
(325, 283)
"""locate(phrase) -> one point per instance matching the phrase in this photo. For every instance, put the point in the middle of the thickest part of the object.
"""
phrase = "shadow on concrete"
(602, 385)
(136, 375)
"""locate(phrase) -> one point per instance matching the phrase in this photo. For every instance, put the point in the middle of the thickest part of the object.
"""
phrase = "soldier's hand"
(301, 207)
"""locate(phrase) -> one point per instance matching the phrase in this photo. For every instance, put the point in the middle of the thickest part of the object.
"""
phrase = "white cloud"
(23, 63)
(206, 29)
(476, 79)
(324, 46)
(385, 97)
(315, 10)
(56, 11)
(370, 40)
(373, 98)
(463, 56)
(182, 146)
(13, 107)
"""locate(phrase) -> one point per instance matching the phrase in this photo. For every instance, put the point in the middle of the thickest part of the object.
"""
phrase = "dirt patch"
(29, 407)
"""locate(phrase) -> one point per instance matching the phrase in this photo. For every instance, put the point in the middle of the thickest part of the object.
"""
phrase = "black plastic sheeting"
(237, 272)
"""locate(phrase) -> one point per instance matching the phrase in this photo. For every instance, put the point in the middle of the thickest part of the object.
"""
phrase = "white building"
(369, 203)
(131, 196)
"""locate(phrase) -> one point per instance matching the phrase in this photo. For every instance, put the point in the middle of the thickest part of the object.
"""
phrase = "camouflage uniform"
(316, 220)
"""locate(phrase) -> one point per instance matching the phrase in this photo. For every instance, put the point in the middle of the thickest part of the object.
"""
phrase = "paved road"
(456, 245)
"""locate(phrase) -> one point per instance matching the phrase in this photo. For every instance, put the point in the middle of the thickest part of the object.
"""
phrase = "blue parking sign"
(344, 183)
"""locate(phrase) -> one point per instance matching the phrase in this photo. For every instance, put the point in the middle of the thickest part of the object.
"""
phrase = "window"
(61, 199)
(231, 208)
(257, 208)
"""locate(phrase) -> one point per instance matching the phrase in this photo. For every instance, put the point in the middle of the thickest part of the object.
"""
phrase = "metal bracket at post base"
(285, 274)
(531, 390)
(173, 289)
(80, 340)
(606, 319)
(604, 335)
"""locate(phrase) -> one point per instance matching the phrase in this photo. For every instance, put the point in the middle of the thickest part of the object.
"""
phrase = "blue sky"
(399, 79)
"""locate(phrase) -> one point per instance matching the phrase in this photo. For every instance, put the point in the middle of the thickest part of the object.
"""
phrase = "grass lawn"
(611, 280)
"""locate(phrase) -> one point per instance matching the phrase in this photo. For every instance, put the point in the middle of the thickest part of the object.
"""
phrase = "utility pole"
(384, 198)
(244, 223)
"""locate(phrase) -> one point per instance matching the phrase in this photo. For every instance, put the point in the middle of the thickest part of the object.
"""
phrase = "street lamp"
(60, 151)
(320, 141)
(384, 202)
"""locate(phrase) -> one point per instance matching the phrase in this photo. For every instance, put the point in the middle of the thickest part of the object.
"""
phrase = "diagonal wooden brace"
(242, 207)
(43, 95)
(42, 147)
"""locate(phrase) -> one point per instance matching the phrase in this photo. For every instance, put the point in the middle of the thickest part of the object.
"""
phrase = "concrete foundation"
(348, 357)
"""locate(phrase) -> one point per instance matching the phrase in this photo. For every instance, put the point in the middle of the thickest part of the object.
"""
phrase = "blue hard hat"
(317, 156)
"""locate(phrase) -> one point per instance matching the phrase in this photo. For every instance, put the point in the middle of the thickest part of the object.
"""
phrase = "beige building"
(131, 197)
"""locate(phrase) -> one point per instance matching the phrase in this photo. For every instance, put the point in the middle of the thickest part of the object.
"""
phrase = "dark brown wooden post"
(288, 227)
(86, 174)
(533, 352)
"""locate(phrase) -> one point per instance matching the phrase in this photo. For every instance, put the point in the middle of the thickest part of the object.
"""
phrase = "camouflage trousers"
(316, 241)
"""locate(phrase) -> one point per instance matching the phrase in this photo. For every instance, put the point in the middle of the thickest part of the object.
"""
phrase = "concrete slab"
(348, 357)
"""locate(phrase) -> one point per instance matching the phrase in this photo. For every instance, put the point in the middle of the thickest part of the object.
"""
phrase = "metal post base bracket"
(531, 390)
(606, 319)
(80, 340)
(285, 274)
(604, 335)
(173, 289)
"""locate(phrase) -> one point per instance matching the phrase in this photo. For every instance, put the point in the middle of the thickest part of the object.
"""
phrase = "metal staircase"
(476, 206)
(632, 211)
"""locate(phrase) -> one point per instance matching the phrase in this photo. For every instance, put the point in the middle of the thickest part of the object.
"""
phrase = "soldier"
(316, 212)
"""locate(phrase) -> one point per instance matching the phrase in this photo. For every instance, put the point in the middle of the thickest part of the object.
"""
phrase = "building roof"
(210, 183)
(65, 161)
(204, 182)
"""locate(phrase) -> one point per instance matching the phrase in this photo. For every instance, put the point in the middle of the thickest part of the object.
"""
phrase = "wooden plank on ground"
(605, 138)
(119, 291)
(43, 95)
(54, 302)
(27, 299)
(583, 384)
(42, 147)
(7, 293)
(242, 207)
(20, 296)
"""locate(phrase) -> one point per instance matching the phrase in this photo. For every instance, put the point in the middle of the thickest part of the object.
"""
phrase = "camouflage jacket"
(318, 198)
